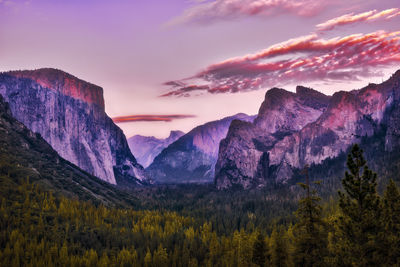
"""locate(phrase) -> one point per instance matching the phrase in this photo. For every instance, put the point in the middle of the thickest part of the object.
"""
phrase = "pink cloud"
(352, 18)
(210, 11)
(307, 58)
(136, 118)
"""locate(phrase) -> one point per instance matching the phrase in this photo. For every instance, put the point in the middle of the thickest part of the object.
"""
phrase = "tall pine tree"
(310, 234)
(359, 223)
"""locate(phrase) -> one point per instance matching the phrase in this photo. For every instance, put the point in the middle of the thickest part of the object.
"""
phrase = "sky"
(174, 64)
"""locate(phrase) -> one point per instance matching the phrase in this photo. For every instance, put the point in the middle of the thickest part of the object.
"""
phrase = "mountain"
(69, 114)
(146, 148)
(292, 130)
(26, 155)
(192, 157)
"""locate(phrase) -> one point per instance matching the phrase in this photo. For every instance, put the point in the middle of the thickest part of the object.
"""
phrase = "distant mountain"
(26, 155)
(191, 158)
(69, 114)
(292, 130)
(146, 148)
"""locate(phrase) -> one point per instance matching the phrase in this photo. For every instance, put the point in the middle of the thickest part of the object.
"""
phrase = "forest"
(356, 227)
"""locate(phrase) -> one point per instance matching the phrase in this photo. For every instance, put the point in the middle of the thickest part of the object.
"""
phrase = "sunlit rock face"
(244, 154)
(292, 130)
(69, 114)
(64, 83)
(146, 148)
(191, 158)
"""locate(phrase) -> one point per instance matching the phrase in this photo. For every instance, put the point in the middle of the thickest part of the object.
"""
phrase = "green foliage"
(309, 231)
(279, 247)
(390, 237)
(359, 223)
(259, 250)
(53, 214)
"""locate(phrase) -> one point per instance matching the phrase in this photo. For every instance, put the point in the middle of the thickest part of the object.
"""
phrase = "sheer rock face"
(292, 130)
(244, 153)
(64, 83)
(146, 148)
(192, 157)
(72, 122)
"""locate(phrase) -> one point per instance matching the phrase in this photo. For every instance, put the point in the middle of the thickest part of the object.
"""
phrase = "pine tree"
(391, 225)
(259, 250)
(160, 257)
(279, 247)
(309, 231)
(359, 222)
(148, 258)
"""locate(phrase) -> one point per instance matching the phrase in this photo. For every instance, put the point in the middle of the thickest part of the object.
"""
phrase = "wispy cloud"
(137, 118)
(303, 59)
(352, 18)
(206, 12)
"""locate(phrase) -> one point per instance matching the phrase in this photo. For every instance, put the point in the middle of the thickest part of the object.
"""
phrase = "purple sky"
(226, 50)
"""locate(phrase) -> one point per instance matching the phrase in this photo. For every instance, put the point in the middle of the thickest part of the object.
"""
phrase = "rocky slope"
(316, 128)
(193, 156)
(69, 114)
(146, 148)
(26, 155)
(244, 152)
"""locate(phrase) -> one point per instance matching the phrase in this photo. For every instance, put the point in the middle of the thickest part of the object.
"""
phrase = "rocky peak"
(284, 111)
(64, 83)
(312, 98)
(146, 148)
(173, 135)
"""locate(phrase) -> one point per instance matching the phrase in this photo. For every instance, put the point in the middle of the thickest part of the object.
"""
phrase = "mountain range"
(191, 158)
(292, 130)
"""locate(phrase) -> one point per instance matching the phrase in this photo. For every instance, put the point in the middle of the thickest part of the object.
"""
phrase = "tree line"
(360, 228)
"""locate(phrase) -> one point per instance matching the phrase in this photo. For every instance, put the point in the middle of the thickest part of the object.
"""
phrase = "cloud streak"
(352, 18)
(205, 12)
(304, 59)
(151, 118)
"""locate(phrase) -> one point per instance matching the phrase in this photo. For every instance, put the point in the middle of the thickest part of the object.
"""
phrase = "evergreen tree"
(160, 257)
(359, 222)
(148, 258)
(391, 224)
(309, 231)
(279, 247)
(259, 250)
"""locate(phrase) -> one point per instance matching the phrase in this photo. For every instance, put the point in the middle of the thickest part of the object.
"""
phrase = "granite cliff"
(69, 114)
(292, 130)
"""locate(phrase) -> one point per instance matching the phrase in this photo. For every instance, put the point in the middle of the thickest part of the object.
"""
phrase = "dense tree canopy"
(39, 227)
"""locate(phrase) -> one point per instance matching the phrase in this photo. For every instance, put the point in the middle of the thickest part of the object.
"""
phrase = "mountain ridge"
(192, 157)
(344, 118)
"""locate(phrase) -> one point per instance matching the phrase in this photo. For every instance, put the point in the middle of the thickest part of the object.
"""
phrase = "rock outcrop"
(69, 114)
(146, 148)
(193, 156)
(293, 130)
(244, 153)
